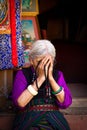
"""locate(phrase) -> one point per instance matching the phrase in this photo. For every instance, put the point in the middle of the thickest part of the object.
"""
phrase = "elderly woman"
(40, 91)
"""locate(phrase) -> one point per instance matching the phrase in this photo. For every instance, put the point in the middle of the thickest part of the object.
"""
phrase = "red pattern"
(13, 32)
(48, 107)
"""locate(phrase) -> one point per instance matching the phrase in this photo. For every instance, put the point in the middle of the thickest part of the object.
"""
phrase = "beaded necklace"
(46, 89)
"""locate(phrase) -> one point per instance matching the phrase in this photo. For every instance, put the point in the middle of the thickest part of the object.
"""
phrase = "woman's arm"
(20, 94)
(67, 94)
(64, 99)
(55, 86)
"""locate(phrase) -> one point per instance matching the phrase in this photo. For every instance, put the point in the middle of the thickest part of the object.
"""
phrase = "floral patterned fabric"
(6, 44)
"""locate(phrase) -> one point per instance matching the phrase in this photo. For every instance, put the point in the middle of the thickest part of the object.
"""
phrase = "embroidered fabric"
(6, 47)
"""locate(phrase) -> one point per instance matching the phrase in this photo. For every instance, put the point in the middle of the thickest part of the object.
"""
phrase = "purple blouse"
(20, 84)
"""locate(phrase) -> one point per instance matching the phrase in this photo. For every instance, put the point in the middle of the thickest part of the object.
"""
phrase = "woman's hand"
(45, 67)
(50, 69)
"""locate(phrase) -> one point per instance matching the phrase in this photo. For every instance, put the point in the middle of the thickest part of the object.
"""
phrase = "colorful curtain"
(11, 49)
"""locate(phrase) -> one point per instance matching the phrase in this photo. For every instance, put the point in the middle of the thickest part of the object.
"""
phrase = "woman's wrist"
(39, 81)
(51, 79)
(32, 90)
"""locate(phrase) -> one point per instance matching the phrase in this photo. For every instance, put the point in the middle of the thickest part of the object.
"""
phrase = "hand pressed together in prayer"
(45, 67)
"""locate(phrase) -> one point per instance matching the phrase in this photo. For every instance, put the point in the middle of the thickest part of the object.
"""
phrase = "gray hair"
(41, 48)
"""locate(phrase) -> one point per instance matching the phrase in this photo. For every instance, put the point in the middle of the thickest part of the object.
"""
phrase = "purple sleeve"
(19, 86)
(68, 97)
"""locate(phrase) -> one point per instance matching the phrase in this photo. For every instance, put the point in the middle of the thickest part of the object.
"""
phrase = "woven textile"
(51, 120)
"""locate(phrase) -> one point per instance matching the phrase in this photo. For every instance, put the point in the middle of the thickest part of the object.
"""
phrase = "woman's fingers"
(46, 60)
(45, 65)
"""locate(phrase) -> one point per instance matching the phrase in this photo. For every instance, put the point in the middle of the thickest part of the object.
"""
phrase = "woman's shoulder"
(23, 71)
(26, 71)
(18, 72)
(58, 74)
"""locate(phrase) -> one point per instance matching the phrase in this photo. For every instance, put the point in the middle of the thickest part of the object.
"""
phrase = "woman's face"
(36, 61)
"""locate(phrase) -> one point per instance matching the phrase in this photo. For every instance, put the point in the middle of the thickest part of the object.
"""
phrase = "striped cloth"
(41, 120)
